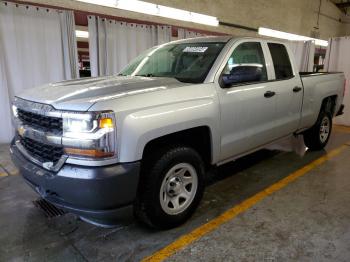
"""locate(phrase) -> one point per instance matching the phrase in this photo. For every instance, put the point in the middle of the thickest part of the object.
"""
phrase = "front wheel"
(316, 138)
(171, 187)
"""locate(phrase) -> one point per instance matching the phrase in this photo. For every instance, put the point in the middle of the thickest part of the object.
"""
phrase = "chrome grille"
(42, 152)
(47, 123)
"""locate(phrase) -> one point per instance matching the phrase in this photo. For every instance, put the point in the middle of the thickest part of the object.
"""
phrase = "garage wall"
(295, 16)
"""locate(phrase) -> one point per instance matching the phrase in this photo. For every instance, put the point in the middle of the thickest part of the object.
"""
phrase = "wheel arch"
(329, 104)
(199, 138)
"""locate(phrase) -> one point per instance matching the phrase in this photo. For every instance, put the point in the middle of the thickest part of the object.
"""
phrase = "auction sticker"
(195, 49)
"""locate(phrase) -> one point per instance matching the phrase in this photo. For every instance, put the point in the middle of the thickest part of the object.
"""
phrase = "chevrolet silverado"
(145, 137)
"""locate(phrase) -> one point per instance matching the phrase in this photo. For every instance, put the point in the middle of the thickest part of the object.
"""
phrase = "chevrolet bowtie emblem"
(21, 131)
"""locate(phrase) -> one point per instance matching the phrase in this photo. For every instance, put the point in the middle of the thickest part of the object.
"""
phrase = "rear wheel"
(171, 187)
(316, 138)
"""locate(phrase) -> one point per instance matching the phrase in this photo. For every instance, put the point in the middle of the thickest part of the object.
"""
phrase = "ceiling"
(343, 5)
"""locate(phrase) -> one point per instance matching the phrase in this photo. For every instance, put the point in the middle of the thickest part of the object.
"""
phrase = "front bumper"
(95, 193)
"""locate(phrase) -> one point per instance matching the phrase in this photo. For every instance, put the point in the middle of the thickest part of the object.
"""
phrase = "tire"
(162, 202)
(316, 138)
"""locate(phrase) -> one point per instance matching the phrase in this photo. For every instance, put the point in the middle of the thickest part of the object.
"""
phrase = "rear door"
(288, 87)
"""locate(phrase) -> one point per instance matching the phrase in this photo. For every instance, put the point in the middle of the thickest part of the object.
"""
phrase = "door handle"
(269, 94)
(297, 89)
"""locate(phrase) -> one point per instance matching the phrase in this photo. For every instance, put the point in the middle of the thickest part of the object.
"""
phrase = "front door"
(247, 101)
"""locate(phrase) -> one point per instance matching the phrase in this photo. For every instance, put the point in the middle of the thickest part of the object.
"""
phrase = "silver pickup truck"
(145, 137)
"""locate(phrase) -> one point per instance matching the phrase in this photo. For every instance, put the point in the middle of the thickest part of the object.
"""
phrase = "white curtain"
(34, 50)
(304, 54)
(337, 60)
(69, 44)
(113, 44)
(184, 34)
(163, 34)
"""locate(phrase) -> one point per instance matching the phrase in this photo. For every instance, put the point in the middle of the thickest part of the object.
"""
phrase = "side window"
(281, 61)
(246, 64)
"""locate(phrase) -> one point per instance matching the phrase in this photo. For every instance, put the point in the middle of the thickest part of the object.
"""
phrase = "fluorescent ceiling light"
(109, 3)
(288, 36)
(321, 42)
(137, 6)
(157, 10)
(174, 13)
(282, 35)
(204, 19)
(81, 34)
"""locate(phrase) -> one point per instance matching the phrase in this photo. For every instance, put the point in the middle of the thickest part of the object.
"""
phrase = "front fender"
(141, 127)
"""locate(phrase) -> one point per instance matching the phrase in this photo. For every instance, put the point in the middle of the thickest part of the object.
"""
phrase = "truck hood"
(81, 94)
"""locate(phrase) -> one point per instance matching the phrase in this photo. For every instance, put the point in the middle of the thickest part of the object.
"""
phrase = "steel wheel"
(171, 186)
(178, 188)
(324, 129)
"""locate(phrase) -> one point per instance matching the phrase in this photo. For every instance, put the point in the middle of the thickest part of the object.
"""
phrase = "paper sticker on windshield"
(195, 49)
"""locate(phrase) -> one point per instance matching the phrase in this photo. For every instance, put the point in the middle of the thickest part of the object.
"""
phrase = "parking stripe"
(3, 174)
(342, 129)
(199, 232)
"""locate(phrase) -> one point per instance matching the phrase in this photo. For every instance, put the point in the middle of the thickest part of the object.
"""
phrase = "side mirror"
(241, 74)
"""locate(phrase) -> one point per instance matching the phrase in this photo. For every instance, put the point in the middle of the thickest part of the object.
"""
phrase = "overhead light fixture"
(321, 42)
(137, 6)
(288, 36)
(81, 34)
(109, 3)
(174, 13)
(157, 10)
(204, 19)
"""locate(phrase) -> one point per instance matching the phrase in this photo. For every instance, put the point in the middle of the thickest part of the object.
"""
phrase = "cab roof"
(206, 39)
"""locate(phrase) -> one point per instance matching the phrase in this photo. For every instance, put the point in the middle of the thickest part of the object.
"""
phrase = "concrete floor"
(309, 220)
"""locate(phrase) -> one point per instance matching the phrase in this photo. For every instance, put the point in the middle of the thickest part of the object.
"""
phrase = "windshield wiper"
(187, 80)
(147, 75)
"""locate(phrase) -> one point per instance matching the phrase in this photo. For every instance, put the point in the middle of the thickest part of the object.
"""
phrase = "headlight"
(79, 125)
(14, 111)
(89, 135)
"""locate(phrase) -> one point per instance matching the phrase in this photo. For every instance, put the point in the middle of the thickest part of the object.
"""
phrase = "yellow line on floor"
(3, 174)
(199, 232)
(342, 129)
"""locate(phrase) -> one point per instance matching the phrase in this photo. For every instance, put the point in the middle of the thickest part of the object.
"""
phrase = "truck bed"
(316, 87)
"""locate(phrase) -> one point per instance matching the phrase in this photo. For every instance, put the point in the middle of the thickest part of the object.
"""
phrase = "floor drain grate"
(49, 209)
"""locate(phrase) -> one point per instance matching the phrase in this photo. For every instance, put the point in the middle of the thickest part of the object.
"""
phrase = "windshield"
(187, 62)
